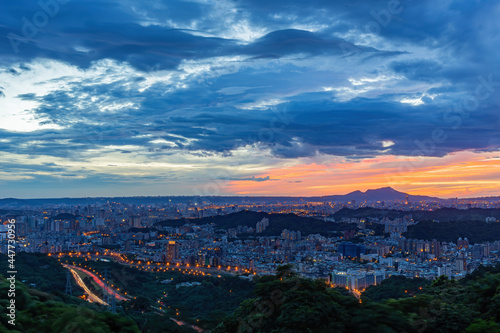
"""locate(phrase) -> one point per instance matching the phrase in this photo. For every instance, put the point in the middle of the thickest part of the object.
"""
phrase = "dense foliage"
(40, 312)
(442, 214)
(277, 222)
(396, 287)
(278, 303)
(475, 231)
(205, 304)
(43, 272)
(287, 303)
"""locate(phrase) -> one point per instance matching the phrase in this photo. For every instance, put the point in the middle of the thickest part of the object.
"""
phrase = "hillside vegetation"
(40, 312)
(287, 303)
(441, 215)
(277, 222)
(475, 231)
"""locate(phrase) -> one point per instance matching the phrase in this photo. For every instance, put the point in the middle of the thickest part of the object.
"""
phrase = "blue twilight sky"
(248, 97)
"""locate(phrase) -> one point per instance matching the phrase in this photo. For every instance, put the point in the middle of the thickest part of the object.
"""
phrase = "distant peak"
(356, 192)
(383, 189)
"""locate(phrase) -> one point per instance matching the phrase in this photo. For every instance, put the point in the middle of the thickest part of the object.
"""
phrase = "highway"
(150, 266)
(99, 282)
(95, 298)
(92, 297)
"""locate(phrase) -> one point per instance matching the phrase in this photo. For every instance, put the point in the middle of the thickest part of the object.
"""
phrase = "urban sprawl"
(354, 258)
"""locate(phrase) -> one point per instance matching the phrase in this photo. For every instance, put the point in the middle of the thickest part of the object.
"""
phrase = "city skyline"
(249, 98)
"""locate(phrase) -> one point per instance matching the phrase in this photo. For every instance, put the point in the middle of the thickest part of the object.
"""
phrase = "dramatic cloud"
(166, 97)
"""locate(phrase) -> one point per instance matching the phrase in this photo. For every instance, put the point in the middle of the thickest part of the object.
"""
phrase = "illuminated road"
(200, 269)
(92, 297)
(356, 294)
(182, 323)
(145, 266)
(99, 282)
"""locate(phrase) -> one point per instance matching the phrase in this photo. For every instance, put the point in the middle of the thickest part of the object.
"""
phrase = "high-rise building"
(172, 251)
(291, 235)
(136, 221)
(357, 279)
(462, 243)
(461, 263)
(262, 225)
(351, 250)
(444, 270)
(436, 248)
(477, 251)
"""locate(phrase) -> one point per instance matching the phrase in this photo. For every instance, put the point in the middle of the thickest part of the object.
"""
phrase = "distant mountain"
(490, 199)
(12, 201)
(380, 194)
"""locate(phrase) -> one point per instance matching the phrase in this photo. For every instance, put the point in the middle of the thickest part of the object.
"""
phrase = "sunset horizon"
(263, 166)
(195, 98)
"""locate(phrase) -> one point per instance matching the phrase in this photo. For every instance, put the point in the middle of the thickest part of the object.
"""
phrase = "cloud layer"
(190, 93)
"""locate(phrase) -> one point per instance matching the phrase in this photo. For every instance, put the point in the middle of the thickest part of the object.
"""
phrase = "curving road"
(99, 282)
(92, 297)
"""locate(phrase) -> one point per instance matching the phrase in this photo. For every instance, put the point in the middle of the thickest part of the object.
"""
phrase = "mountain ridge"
(370, 195)
(380, 194)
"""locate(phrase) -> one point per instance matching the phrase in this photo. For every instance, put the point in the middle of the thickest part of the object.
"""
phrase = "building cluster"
(398, 226)
(356, 279)
(352, 259)
(291, 235)
(262, 225)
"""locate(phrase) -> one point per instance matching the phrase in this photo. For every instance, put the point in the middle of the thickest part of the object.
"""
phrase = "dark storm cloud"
(84, 31)
(291, 41)
(309, 125)
(81, 32)
(464, 28)
(445, 47)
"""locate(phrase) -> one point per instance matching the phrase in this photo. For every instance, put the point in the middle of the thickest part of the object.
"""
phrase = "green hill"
(40, 312)
(66, 216)
(287, 303)
(277, 222)
(475, 231)
(45, 272)
(442, 215)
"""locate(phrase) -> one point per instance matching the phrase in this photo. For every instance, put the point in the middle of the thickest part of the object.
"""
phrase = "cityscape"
(248, 166)
(144, 232)
(354, 245)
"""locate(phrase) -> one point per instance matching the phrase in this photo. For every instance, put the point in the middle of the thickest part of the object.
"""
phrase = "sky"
(249, 97)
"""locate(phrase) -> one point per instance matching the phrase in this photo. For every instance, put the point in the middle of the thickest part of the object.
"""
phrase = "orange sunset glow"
(272, 98)
(463, 174)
